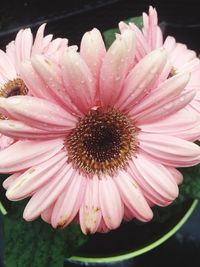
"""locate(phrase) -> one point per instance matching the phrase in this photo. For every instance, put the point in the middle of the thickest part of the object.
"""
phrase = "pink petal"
(155, 180)
(18, 43)
(25, 45)
(18, 129)
(115, 67)
(51, 77)
(35, 177)
(57, 54)
(90, 213)
(177, 175)
(40, 87)
(168, 109)
(183, 124)
(5, 141)
(39, 38)
(24, 154)
(181, 55)
(9, 181)
(69, 202)
(165, 92)
(93, 50)
(110, 203)
(46, 214)
(38, 113)
(132, 197)
(48, 194)
(141, 44)
(169, 44)
(10, 52)
(130, 41)
(33, 82)
(78, 80)
(128, 214)
(45, 43)
(55, 45)
(103, 227)
(164, 75)
(192, 66)
(141, 78)
(152, 32)
(7, 70)
(170, 150)
(151, 19)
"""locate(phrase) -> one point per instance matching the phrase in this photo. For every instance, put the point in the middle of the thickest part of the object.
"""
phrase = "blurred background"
(71, 19)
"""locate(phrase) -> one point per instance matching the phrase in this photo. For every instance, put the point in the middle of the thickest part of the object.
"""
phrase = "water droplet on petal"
(168, 106)
(182, 98)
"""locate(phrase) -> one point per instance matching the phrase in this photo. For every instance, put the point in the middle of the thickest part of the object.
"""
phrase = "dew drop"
(141, 86)
(168, 106)
(132, 95)
(182, 98)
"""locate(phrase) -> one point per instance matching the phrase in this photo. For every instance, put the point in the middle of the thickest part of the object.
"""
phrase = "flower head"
(17, 51)
(101, 139)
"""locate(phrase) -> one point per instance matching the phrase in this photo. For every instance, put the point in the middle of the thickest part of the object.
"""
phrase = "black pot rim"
(129, 255)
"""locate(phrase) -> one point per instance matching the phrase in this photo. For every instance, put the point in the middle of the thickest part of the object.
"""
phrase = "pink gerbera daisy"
(88, 155)
(21, 49)
(181, 58)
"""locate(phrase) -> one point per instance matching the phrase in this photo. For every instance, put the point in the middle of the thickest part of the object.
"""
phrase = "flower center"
(13, 88)
(102, 142)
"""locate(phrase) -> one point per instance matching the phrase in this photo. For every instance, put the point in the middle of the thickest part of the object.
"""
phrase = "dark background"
(71, 19)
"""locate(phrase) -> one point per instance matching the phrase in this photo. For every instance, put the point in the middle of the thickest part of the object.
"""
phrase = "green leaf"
(191, 184)
(36, 243)
(109, 35)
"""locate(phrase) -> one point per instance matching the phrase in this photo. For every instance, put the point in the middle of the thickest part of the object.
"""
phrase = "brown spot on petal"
(62, 222)
(173, 72)
(87, 231)
(97, 209)
(2, 117)
(31, 170)
(46, 61)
